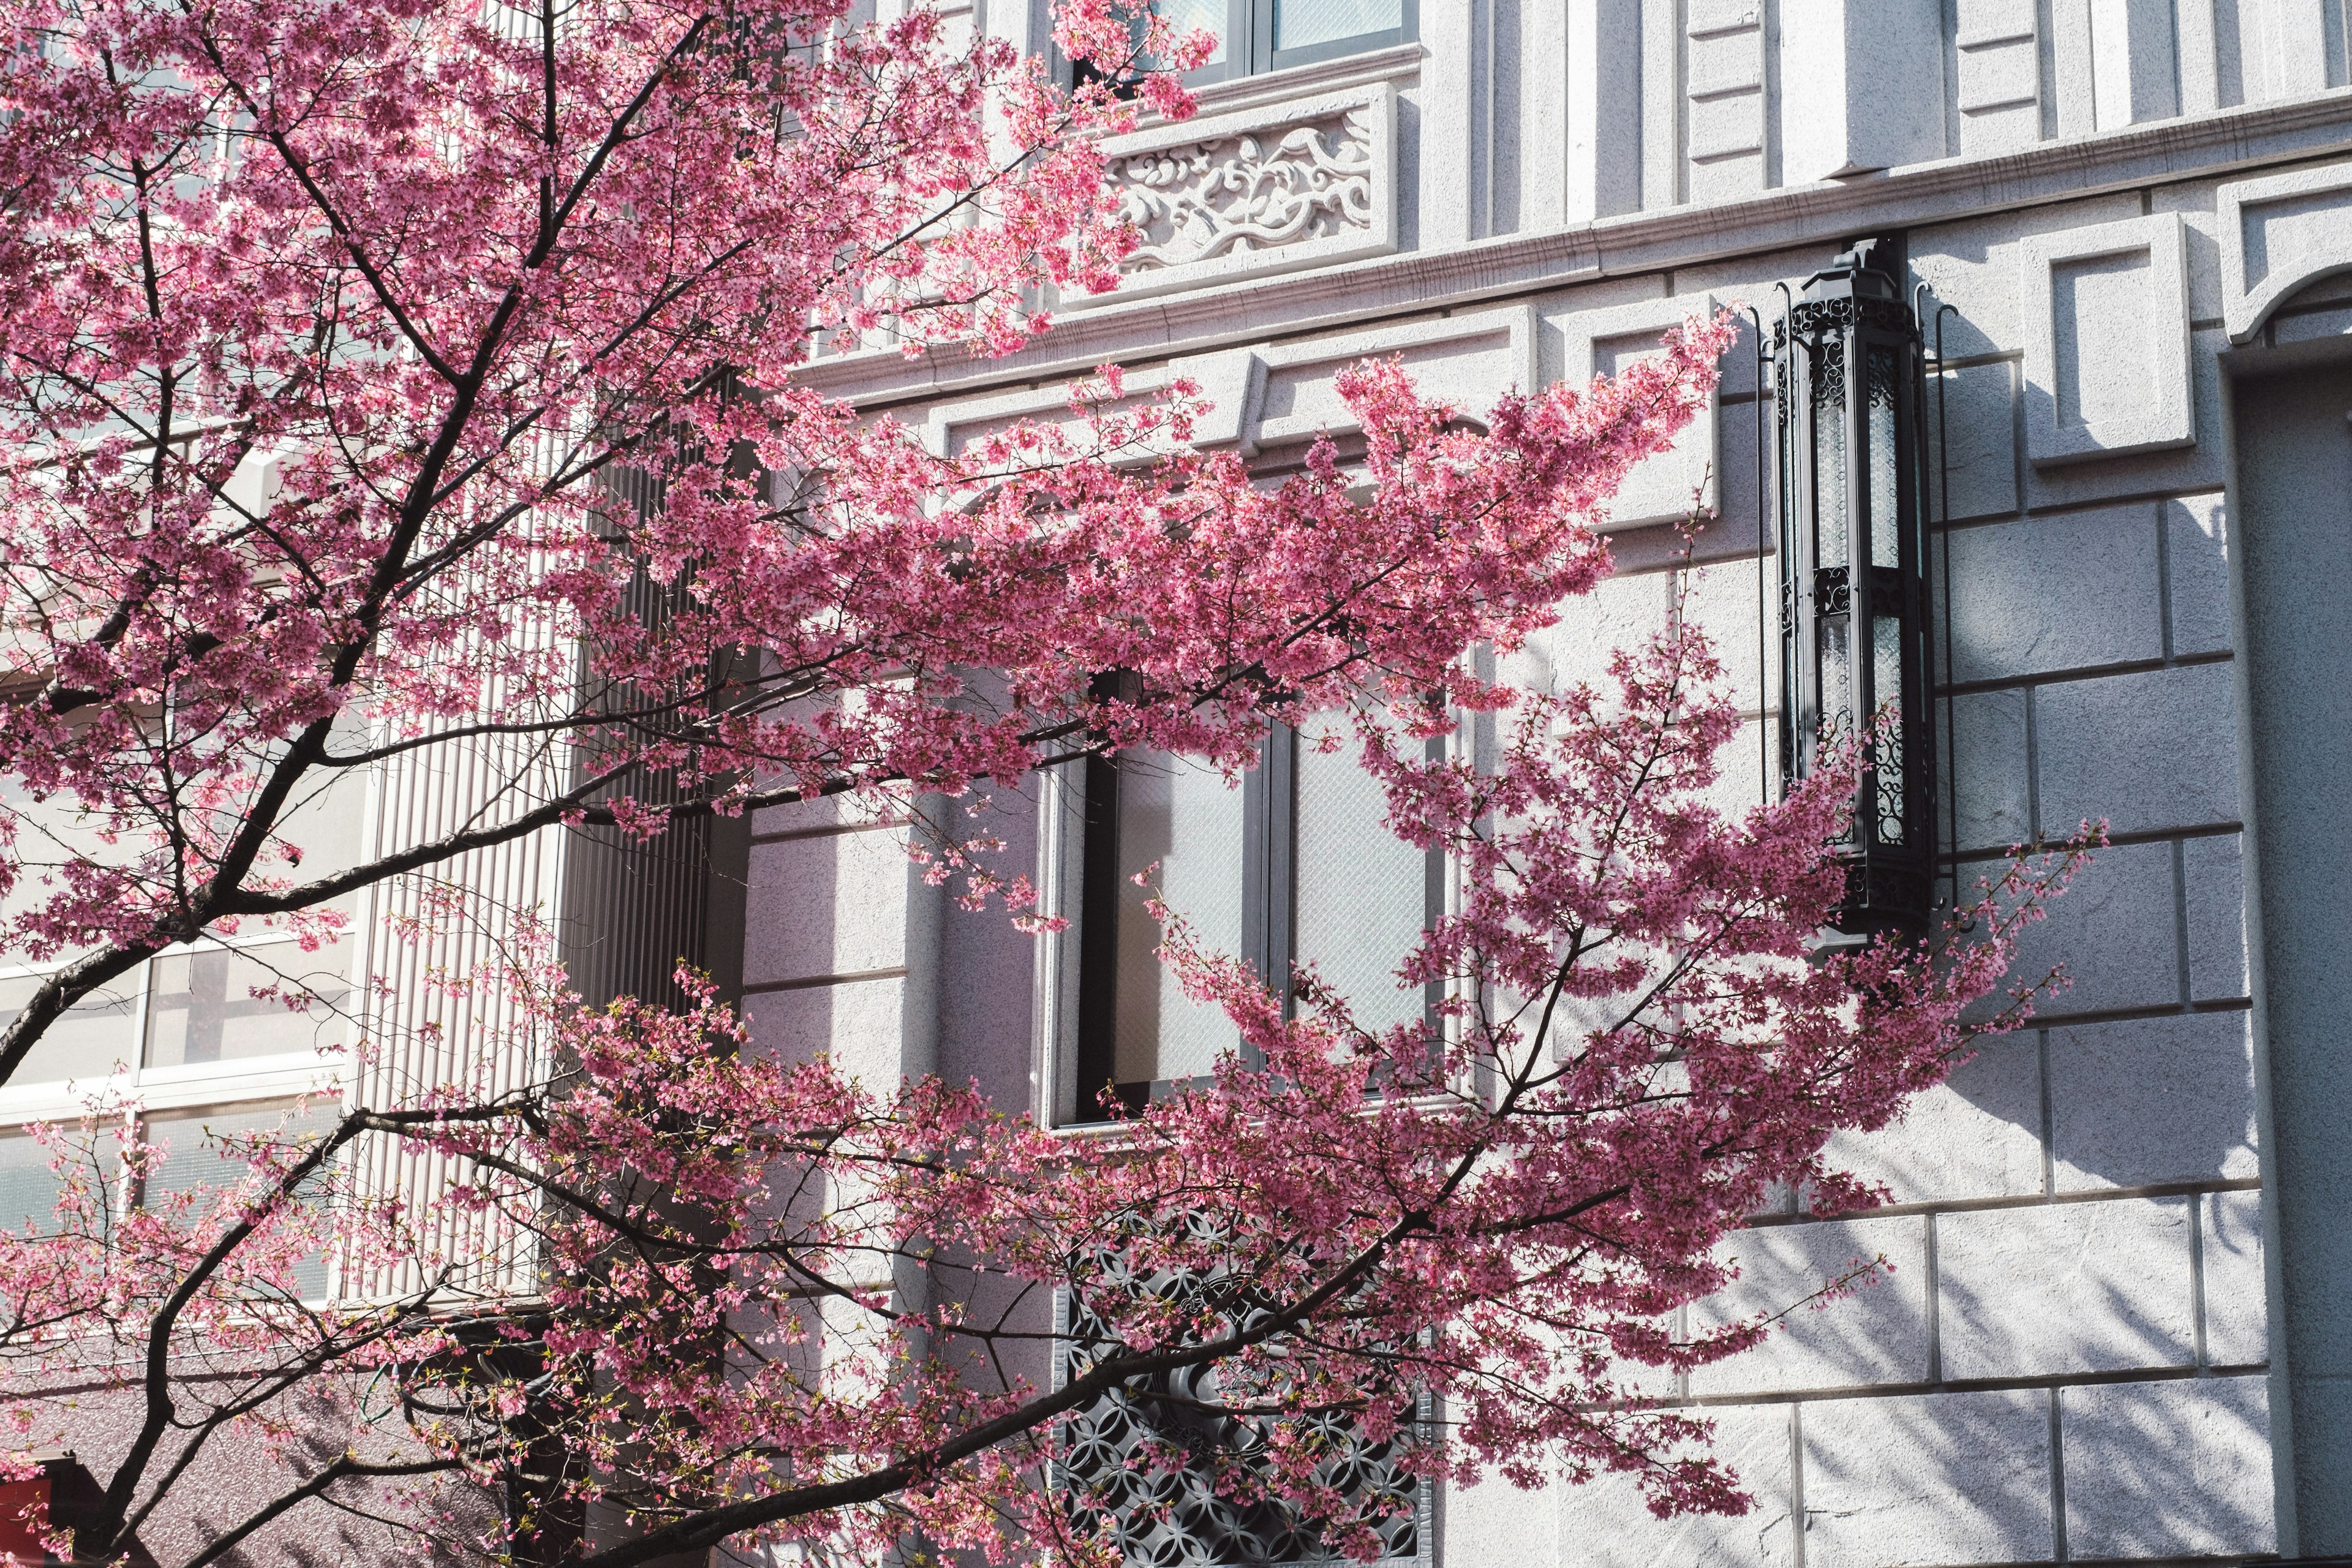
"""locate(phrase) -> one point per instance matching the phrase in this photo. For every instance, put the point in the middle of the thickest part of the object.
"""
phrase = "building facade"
(2113, 1329)
(2116, 1327)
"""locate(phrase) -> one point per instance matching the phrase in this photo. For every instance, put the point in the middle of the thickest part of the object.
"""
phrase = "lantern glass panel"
(1830, 460)
(1837, 677)
(1887, 673)
(1884, 513)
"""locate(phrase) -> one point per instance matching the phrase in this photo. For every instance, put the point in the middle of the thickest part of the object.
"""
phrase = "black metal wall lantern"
(1849, 380)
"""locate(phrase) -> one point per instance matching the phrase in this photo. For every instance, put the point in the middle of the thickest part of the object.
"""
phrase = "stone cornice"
(2209, 145)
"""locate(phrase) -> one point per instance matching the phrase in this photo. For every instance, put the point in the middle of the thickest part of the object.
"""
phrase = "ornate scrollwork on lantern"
(1849, 369)
(1150, 1457)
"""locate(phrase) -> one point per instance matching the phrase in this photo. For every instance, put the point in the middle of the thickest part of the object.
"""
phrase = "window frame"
(1250, 51)
(1268, 872)
(213, 1082)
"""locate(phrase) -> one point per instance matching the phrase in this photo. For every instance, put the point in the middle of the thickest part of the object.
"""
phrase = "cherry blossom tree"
(368, 371)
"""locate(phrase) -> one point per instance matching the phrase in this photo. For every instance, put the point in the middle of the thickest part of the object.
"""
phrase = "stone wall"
(2115, 206)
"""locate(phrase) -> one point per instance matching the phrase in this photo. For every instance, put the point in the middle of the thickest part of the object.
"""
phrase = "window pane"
(1300, 24)
(1837, 718)
(202, 1008)
(1829, 460)
(1184, 16)
(28, 1188)
(96, 1035)
(1183, 815)
(1362, 892)
(193, 1153)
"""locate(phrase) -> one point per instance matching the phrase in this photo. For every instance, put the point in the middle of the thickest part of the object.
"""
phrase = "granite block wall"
(2066, 1359)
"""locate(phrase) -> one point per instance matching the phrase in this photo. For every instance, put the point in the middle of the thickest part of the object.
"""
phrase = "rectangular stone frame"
(1234, 381)
(2171, 422)
(1658, 490)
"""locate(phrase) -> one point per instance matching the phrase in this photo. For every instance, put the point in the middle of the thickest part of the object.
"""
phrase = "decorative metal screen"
(1147, 1457)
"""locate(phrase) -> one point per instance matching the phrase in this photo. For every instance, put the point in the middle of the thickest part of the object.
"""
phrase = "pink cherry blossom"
(379, 381)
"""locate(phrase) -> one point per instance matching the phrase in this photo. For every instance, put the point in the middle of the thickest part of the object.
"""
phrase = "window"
(203, 1143)
(187, 1037)
(201, 1006)
(1255, 36)
(192, 1008)
(1291, 867)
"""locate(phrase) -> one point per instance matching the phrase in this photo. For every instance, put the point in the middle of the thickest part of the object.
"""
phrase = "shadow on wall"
(2156, 1458)
(2067, 1361)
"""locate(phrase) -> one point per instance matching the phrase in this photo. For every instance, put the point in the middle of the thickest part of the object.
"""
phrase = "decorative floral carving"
(1250, 192)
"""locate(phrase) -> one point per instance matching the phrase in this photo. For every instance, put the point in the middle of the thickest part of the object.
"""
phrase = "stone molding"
(1997, 64)
(2279, 235)
(1491, 351)
(1304, 183)
(2087, 293)
(1461, 378)
(1122, 326)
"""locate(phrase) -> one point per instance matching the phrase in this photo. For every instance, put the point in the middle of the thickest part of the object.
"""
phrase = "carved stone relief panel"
(2106, 340)
(1274, 188)
(2277, 235)
(1661, 488)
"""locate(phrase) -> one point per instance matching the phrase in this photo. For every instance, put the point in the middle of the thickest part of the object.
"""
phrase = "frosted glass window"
(97, 1033)
(1362, 892)
(201, 1006)
(28, 1188)
(1302, 23)
(1829, 471)
(1184, 816)
(1184, 16)
(195, 1154)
